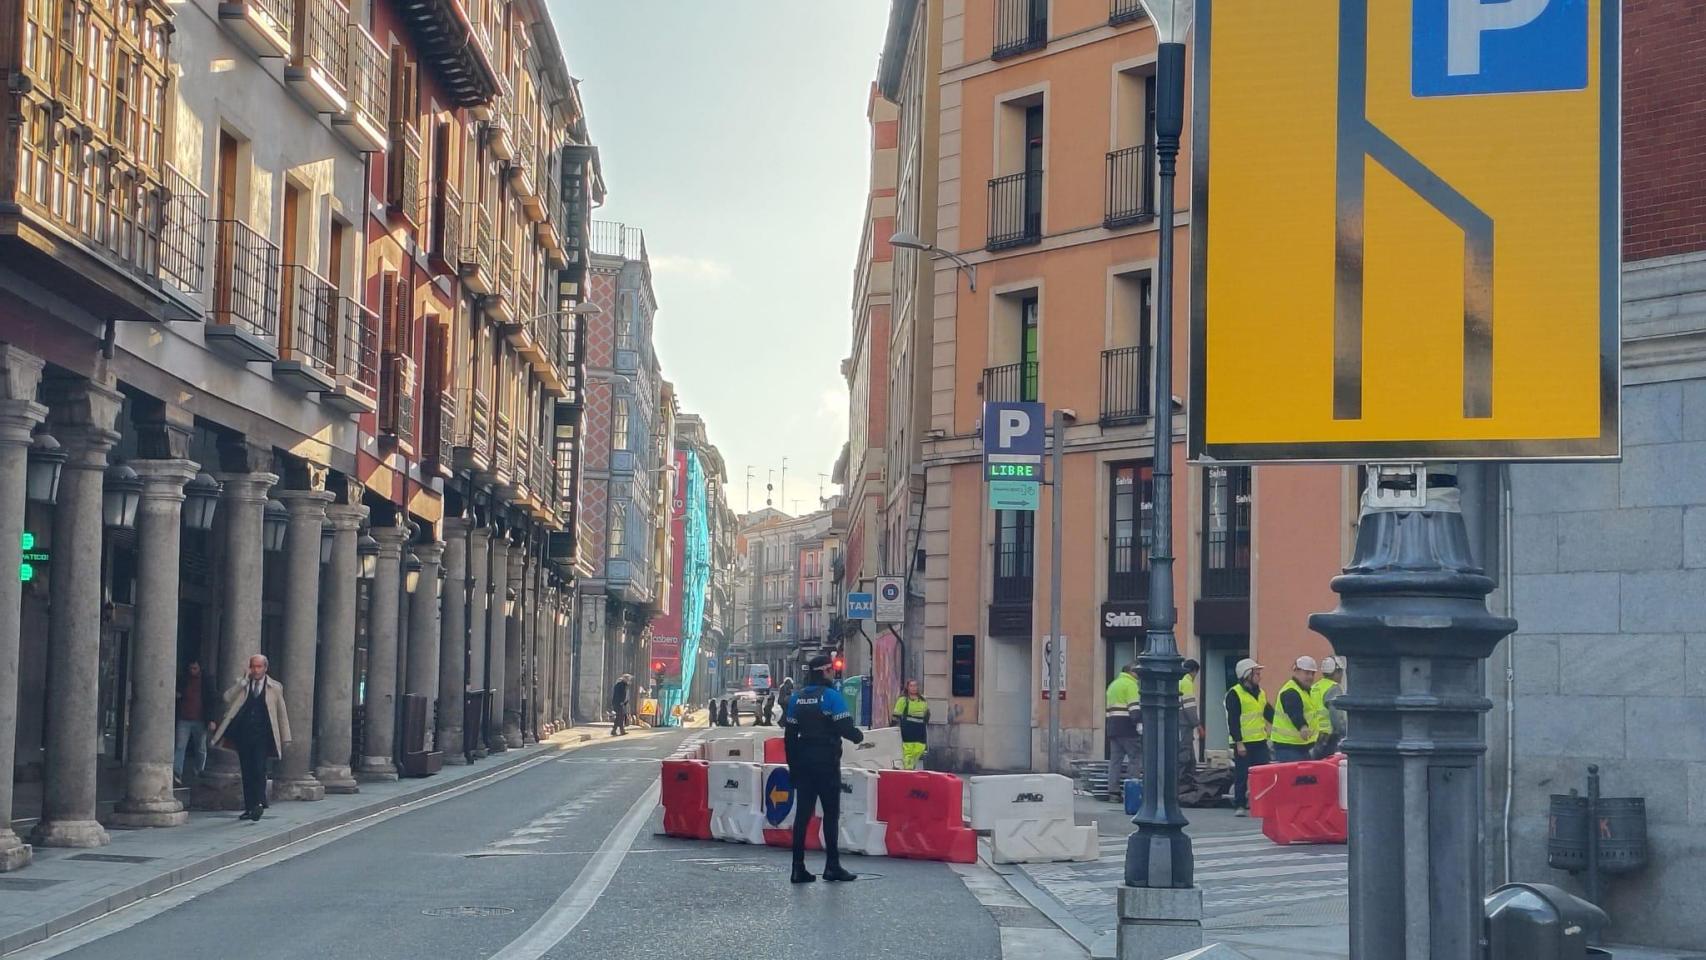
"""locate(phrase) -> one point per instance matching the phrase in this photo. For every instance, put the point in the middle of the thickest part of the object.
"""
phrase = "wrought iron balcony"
(1014, 582)
(356, 381)
(438, 435)
(367, 76)
(479, 249)
(245, 292)
(524, 170)
(263, 26)
(447, 226)
(500, 127)
(502, 436)
(306, 355)
(500, 302)
(319, 64)
(183, 235)
(1020, 26)
(1131, 187)
(1010, 383)
(1125, 385)
(403, 182)
(474, 430)
(397, 400)
(521, 468)
(1128, 569)
(1015, 210)
(1125, 11)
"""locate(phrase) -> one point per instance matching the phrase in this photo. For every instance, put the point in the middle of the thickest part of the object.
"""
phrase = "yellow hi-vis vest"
(1320, 718)
(1284, 731)
(1253, 715)
(1187, 691)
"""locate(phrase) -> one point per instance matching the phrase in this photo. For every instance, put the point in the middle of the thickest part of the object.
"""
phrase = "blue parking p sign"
(861, 606)
(1474, 47)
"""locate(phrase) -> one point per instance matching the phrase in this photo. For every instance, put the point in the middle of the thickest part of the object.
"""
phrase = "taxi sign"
(1405, 230)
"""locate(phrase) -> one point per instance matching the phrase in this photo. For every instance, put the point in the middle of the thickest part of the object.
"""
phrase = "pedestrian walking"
(619, 705)
(912, 714)
(1328, 721)
(197, 699)
(1248, 715)
(1294, 735)
(815, 720)
(1124, 730)
(256, 726)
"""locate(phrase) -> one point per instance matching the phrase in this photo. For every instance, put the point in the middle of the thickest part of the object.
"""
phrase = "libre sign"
(1013, 441)
(1447, 285)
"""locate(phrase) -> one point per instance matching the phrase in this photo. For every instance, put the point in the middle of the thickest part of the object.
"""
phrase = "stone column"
(242, 504)
(591, 628)
(19, 413)
(452, 642)
(513, 646)
(546, 646)
(379, 711)
(334, 711)
(497, 634)
(479, 546)
(83, 416)
(422, 677)
(148, 799)
(296, 779)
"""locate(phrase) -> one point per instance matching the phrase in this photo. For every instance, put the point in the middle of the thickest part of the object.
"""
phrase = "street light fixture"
(908, 240)
(41, 483)
(367, 551)
(201, 502)
(120, 495)
(411, 573)
(275, 520)
(327, 539)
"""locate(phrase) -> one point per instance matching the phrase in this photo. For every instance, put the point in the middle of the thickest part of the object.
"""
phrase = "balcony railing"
(447, 232)
(310, 305)
(397, 397)
(617, 240)
(501, 443)
(367, 78)
(1010, 383)
(263, 26)
(1131, 187)
(1013, 580)
(438, 438)
(1015, 210)
(403, 185)
(1020, 26)
(1125, 385)
(245, 280)
(478, 248)
(1128, 569)
(319, 66)
(1124, 11)
(1226, 532)
(183, 237)
(474, 427)
(358, 344)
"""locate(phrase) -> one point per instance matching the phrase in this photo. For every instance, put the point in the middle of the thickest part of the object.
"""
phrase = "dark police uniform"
(816, 720)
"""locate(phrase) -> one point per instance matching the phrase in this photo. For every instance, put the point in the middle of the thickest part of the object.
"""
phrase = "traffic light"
(838, 663)
(657, 666)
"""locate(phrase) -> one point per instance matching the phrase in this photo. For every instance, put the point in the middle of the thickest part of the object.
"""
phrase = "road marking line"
(562, 917)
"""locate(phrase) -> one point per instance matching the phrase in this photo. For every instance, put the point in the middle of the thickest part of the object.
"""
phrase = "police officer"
(814, 722)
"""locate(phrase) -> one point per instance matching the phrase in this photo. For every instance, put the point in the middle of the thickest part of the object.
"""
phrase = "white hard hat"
(1245, 666)
(1307, 663)
(1329, 664)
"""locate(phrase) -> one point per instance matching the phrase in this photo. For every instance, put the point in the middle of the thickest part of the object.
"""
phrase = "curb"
(1092, 940)
(201, 868)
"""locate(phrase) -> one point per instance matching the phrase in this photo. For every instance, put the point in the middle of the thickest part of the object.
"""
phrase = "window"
(618, 538)
(1020, 26)
(1015, 536)
(1028, 348)
(619, 431)
(1226, 532)
(1131, 526)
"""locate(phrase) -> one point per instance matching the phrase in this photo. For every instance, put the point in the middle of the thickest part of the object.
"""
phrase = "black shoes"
(801, 874)
(836, 874)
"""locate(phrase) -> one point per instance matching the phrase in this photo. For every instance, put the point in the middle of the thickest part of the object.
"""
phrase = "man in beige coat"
(256, 726)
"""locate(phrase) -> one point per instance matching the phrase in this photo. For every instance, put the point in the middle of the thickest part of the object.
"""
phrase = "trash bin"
(1538, 921)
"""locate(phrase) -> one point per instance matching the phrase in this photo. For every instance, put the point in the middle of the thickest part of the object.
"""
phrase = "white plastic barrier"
(880, 751)
(787, 821)
(1041, 841)
(742, 748)
(737, 804)
(1344, 783)
(860, 830)
(1025, 796)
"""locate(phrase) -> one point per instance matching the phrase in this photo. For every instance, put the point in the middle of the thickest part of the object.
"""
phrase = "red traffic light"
(657, 666)
(838, 662)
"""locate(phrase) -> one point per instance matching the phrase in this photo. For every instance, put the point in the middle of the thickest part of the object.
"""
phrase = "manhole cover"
(749, 868)
(464, 912)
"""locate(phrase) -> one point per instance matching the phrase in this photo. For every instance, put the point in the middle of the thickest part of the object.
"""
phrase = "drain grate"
(463, 913)
(749, 868)
(26, 883)
(111, 858)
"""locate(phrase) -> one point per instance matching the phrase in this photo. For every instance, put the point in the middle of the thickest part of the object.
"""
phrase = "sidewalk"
(64, 888)
(1269, 901)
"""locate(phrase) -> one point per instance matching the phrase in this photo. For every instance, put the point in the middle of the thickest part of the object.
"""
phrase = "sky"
(734, 133)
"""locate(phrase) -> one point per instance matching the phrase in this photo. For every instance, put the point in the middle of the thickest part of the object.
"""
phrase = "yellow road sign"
(1405, 230)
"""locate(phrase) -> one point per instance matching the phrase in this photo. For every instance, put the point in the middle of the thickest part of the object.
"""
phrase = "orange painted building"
(1046, 186)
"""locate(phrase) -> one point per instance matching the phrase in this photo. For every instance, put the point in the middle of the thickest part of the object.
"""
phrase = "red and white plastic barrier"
(1299, 802)
(861, 831)
(735, 801)
(1029, 819)
(924, 813)
(686, 799)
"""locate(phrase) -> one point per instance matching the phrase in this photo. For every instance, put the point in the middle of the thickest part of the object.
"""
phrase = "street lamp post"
(1160, 910)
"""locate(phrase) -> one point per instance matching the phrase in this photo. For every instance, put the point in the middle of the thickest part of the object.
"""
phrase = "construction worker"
(911, 712)
(1247, 717)
(1124, 731)
(1329, 723)
(1190, 713)
(1294, 735)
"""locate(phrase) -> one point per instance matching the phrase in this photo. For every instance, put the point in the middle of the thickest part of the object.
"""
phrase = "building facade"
(1607, 562)
(216, 359)
(1036, 118)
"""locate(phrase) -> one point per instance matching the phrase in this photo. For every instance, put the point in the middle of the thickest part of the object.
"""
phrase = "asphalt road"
(559, 860)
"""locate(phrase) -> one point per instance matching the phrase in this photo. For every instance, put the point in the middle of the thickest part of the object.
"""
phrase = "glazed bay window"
(1131, 526)
(619, 438)
(617, 541)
